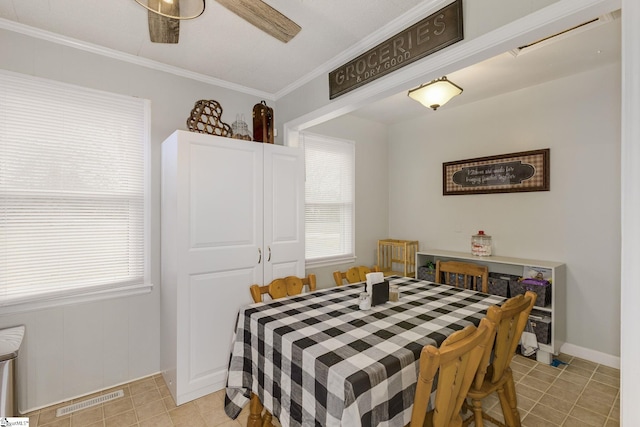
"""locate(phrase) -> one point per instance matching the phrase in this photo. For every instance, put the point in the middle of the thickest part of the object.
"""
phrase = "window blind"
(329, 198)
(73, 168)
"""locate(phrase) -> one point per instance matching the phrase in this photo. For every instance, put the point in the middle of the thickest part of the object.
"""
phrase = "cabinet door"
(283, 212)
(220, 192)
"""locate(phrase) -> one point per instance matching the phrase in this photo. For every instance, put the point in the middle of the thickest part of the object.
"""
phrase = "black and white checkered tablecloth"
(317, 360)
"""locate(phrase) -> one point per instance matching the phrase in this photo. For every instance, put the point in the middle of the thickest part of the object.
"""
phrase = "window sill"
(330, 261)
(53, 301)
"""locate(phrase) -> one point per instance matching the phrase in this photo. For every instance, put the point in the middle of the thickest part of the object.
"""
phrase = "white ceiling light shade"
(436, 93)
(176, 9)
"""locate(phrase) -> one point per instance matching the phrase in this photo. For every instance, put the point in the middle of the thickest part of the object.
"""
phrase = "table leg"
(255, 412)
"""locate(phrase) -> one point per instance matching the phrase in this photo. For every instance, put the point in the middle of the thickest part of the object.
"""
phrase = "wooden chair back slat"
(279, 288)
(354, 274)
(463, 275)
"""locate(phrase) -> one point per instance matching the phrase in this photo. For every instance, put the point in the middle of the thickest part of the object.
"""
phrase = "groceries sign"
(429, 35)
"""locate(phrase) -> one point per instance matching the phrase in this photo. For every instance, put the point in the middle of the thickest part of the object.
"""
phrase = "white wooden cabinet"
(507, 265)
(232, 215)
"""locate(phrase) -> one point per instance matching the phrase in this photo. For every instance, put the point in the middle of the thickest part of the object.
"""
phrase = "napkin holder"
(379, 293)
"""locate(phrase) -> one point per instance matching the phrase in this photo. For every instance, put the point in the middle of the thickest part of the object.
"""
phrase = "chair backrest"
(463, 275)
(510, 320)
(457, 360)
(354, 274)
(278, 288)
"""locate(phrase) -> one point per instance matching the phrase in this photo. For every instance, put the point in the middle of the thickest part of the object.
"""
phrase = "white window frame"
(348, 147)
(109, 290)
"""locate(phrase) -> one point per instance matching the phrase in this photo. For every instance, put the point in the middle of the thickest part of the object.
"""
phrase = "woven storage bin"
(543, 291)
(542, 328)
(426, 273)
(499, 283)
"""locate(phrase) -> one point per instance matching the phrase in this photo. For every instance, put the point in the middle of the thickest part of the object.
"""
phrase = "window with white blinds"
(73, 199)
(329, 199)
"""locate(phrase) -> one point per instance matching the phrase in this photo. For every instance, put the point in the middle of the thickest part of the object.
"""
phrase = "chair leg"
(512, 398)
(255, 412)
(266, 420)
(477, 413)
(507, 412)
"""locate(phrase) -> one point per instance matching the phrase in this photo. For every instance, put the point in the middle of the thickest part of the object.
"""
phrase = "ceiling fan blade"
(161, 28)
(264, 17)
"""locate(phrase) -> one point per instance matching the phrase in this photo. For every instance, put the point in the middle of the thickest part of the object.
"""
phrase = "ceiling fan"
(165, 16)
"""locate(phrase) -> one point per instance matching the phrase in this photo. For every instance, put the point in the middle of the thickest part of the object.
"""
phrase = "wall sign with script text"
(427, 36)
(506, 173)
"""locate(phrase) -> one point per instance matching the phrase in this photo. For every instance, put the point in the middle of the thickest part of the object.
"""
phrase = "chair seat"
(488, 387)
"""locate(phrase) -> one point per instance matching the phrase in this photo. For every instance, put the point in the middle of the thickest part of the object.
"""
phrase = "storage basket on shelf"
(499, 283)
(541, 324)
(397, 257)
(427, 272)
(540, 286)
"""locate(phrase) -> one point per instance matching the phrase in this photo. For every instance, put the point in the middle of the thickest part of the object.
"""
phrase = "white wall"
(372, 189)
(577, 222)
(77, 349)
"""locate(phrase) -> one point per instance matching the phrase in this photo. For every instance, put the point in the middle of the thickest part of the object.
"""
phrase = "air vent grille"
(89, 403)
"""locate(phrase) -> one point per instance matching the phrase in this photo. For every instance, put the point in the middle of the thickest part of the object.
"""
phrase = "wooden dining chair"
(279, 288)
(463, 275)
(510, 320)
(354, 274)
(456, 362)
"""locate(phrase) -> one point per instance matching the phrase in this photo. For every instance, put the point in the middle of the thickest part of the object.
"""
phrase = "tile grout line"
(580, 395)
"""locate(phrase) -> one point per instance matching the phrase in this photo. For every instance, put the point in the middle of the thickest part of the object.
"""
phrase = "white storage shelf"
(508, 265)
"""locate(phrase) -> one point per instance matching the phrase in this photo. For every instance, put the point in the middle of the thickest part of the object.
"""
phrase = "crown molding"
(49, 36)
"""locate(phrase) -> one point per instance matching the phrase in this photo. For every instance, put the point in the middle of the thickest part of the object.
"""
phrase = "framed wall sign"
(505, 173)
(437, 31)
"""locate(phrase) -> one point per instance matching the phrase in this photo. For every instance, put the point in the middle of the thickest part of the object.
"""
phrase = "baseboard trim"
(23, 411)
(591, 355)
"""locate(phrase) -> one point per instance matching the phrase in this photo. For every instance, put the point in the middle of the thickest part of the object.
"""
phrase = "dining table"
(317, 359)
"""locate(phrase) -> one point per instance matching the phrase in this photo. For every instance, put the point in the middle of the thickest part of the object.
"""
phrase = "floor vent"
(89, 403)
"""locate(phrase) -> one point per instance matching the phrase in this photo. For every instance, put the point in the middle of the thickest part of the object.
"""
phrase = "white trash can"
(10, 341)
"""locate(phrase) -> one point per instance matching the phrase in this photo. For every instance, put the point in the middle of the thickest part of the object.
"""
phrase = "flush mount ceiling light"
(436, 93)
(174, 9)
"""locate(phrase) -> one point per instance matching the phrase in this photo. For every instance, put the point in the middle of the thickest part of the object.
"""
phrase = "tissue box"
(541, 287)
(379, 293)
(542, 328)
(499, 283)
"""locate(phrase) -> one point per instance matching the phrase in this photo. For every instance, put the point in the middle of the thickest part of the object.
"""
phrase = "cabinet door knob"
(259, 255)
(269, 259)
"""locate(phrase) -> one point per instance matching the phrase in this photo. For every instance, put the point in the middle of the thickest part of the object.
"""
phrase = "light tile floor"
(581, 393)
